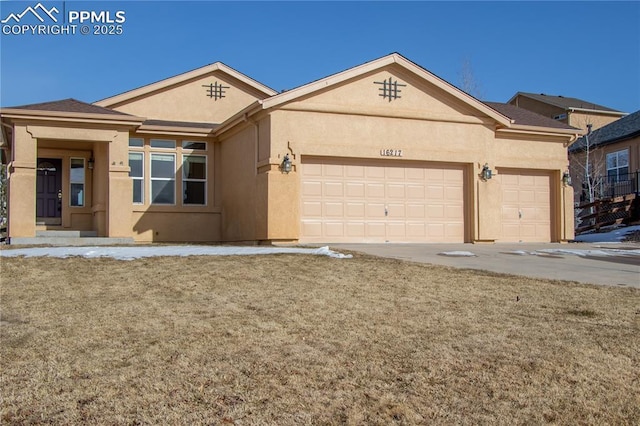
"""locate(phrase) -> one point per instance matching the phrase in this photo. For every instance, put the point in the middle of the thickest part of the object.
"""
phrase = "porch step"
(66, 234)
(69, 238)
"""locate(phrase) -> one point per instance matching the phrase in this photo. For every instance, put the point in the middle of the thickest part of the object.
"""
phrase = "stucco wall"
(189, 101)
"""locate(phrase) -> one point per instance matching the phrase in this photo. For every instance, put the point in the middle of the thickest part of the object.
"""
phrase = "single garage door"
(381, 201)
(526, 206)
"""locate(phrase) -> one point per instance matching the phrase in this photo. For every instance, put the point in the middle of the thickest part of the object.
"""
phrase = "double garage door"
(364, 201)
(379, 201)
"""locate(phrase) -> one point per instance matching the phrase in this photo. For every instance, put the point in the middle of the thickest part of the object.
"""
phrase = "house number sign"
(391, 152)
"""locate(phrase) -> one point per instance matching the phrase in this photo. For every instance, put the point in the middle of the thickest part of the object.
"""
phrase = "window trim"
(83, 183)
(186, 179)
(152, 179)
(141, 178)
(618, 167)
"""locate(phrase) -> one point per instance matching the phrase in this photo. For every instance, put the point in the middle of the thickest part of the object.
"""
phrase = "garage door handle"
(519, 214)
(386, 212)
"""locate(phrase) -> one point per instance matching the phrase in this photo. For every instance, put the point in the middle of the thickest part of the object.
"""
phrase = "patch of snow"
(597, 253)
(457, 253)
(613, 236)
(130, 253)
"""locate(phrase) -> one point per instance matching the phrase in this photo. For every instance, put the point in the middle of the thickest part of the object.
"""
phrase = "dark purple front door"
(49, 190)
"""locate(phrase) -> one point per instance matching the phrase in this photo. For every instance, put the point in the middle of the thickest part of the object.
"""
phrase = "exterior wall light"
(566, 178)
(486, 172)
(286, 164)
(90, 163)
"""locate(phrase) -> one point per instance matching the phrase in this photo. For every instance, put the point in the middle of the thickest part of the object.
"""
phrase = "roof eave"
(23, 114)
(597, 111)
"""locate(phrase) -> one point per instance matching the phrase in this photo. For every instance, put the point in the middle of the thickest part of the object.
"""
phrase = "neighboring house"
(572, 111)
(382, 152)
(614, 159)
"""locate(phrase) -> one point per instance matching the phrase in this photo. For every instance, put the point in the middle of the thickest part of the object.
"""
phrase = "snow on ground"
(136, 252)
(457, 253)
(615, 235)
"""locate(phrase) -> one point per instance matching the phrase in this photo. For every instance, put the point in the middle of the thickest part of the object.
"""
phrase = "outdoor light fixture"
(286, 164)
(566, 178)
(486, 172)
(90, 163)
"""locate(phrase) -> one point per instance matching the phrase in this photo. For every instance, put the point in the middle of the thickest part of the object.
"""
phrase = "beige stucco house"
(382, 152)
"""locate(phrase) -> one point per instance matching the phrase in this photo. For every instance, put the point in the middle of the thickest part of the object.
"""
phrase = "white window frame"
(138, 178)
(617, 166)
(157, 179)
(75, 182)
(185, 179)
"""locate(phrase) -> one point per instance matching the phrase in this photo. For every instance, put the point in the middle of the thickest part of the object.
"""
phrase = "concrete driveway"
(616, 264)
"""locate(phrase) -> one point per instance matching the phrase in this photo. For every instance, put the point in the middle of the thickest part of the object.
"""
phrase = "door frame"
(51, 220)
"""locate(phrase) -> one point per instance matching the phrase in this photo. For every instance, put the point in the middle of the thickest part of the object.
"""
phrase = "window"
(202, 146)
(194, 179)
(76, 177)
(163, 179)
(136, 164)
(162, 143)
(136, 142)
(618, 165)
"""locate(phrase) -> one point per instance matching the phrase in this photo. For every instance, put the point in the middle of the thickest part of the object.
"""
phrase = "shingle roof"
(69, 105)
(525, 117)
(565, 102)
(625, 128)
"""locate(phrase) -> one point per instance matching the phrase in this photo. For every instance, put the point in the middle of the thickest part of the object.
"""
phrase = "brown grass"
(293, 339)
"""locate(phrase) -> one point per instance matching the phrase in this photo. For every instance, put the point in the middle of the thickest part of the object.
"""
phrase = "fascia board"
(129, 120)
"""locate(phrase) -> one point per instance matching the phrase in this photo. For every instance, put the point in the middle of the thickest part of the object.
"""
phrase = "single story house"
(382, 152)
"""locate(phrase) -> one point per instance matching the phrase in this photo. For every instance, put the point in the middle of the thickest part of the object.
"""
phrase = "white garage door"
(526, 206)
(381, 201)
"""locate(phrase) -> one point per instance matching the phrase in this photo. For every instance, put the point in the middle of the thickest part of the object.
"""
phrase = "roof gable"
(395, 62)
(210, 94)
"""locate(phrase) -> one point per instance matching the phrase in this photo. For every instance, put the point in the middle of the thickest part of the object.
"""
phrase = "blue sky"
(588, 50)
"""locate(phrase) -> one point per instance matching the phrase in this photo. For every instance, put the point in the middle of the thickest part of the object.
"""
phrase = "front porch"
(68, 175)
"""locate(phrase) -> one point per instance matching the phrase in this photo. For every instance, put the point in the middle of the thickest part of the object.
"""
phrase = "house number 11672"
(391, 152)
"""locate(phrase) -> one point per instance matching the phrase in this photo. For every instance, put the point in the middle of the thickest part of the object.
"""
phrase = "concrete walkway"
(597, 263)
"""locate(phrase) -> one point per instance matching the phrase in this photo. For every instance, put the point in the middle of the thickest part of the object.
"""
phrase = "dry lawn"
(294, 340)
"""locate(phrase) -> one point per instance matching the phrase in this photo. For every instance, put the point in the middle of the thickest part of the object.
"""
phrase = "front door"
(49, 191)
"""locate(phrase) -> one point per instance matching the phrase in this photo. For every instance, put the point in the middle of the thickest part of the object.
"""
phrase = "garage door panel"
(347, 202)
(333, 210)
(416, 211)
(415, 192)
(334, 170)
(311, 228)
(355, 171)
(334, 229)
(375, 190)
(312, 188)
(355, 210)
(355, 189)
(376, 229)
(312, 209)
(355, 229)
(395, 191)
(333, 189)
